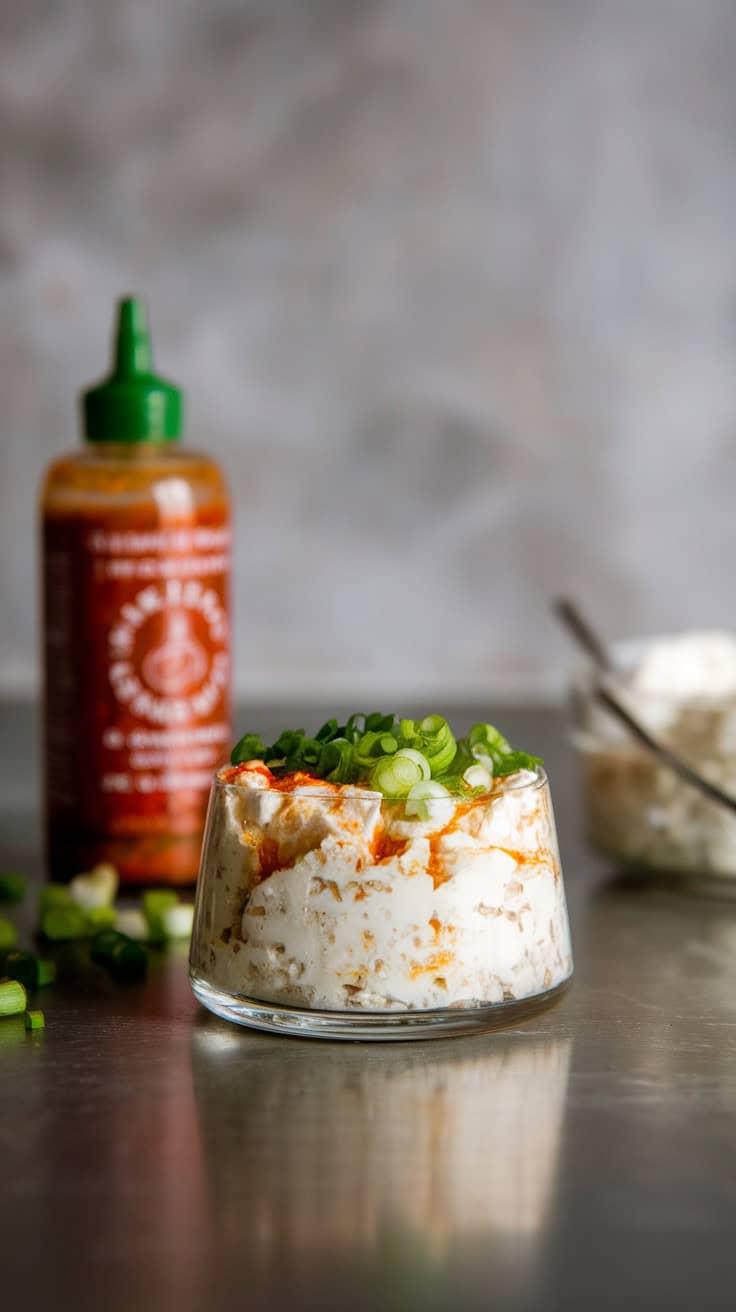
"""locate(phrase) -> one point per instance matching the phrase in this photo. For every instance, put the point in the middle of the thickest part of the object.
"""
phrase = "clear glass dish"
(636, 809)
(330, 911)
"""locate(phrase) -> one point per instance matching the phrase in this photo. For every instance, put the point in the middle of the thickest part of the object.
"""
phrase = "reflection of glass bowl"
(330, 910)
(440, 1170)
(637, 809)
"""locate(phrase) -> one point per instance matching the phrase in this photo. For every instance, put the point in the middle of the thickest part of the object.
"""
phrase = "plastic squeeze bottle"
(136, 563)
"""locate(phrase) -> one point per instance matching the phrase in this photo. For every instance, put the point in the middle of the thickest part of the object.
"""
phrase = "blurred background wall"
(451, 284)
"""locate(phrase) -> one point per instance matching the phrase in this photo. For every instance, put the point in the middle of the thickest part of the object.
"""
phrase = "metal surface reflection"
(321, 1146)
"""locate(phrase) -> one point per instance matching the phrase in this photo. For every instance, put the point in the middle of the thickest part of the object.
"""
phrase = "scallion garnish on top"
(394, 756)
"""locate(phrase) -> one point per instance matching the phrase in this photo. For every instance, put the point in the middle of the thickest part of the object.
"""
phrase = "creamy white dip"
(683, 689)
(331, 898)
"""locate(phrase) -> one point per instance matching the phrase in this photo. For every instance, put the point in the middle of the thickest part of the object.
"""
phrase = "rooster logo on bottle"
(179, 661)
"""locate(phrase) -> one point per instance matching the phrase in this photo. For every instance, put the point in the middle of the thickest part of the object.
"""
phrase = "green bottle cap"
(133, 404)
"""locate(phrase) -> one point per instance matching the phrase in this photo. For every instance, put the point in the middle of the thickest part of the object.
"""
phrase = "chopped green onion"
(250, 747)
(101, 918)
(155, 902)
(132, 922)
(46, 972)
(330, 729)
(517, 761)
(62, 924)
(35, 1020)
(478, 776)
(373, 744)
(177, 921)
(12, 888)
(13, 998)
(410, 754)
(128, 960)
(430, 800)
(396, 775)
(121, 955)
(336, 761)
(8, 934)
(486, 740)
(22, 966)
(96, 889)
(53, 895)
(101, 946)
(434, 738)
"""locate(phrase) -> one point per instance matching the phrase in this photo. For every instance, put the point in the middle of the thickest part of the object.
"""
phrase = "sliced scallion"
(396, 775)
(8, 934)
(132, 922)
(155, 902)
(63, 924)
(13, 998)
(96, 889)
(177, 921)
(35, 1020)
(478, 776)
(430, 800)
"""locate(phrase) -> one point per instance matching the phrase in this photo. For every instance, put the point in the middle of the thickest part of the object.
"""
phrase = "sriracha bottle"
(136, 562)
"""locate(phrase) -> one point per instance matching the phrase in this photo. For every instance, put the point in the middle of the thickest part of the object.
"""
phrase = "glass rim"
(363, 794)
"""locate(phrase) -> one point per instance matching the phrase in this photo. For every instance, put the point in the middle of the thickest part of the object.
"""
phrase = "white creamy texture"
(684, 690)
(333, 927)
(688, 667)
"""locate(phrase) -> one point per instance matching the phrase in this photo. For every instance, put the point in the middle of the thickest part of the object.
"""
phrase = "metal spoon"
(588, 639)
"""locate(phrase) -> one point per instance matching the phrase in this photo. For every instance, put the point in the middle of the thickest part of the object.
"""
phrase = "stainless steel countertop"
(152, 1156)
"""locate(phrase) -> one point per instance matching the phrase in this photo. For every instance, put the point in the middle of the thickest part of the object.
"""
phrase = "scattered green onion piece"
(96, 889)
(8, 934)
(35, 1020)
(53, 895)
(128, 959)
(12, 888)
(155, 902)
(132, 922)
(478, 776)
(102, 945)
(430, 800)
(118, 954)
(46, 972)
(13, 998)
(177, 921)
(396, 775)
(22, 966)
(62, 924)
(250, 747)
(101, 918)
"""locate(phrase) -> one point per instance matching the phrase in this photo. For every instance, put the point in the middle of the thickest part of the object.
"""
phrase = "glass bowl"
(330, 911)
(636, 809)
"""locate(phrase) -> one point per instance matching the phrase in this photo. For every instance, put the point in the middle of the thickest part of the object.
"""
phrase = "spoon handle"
(672, 759)
(583, 633)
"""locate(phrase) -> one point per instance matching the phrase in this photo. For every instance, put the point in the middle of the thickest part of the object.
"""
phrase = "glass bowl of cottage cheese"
(683, 690)
(416, 892)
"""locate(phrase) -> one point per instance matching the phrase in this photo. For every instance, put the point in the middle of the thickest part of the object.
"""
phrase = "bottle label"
(137, 672)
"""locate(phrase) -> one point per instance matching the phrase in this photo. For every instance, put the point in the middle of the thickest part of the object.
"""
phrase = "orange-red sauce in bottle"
(136, 562)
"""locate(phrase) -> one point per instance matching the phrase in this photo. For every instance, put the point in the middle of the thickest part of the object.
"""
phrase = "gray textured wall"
(455, 285)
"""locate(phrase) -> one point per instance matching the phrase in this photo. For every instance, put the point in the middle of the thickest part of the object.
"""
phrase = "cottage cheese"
(331, 898)
(684, 690)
